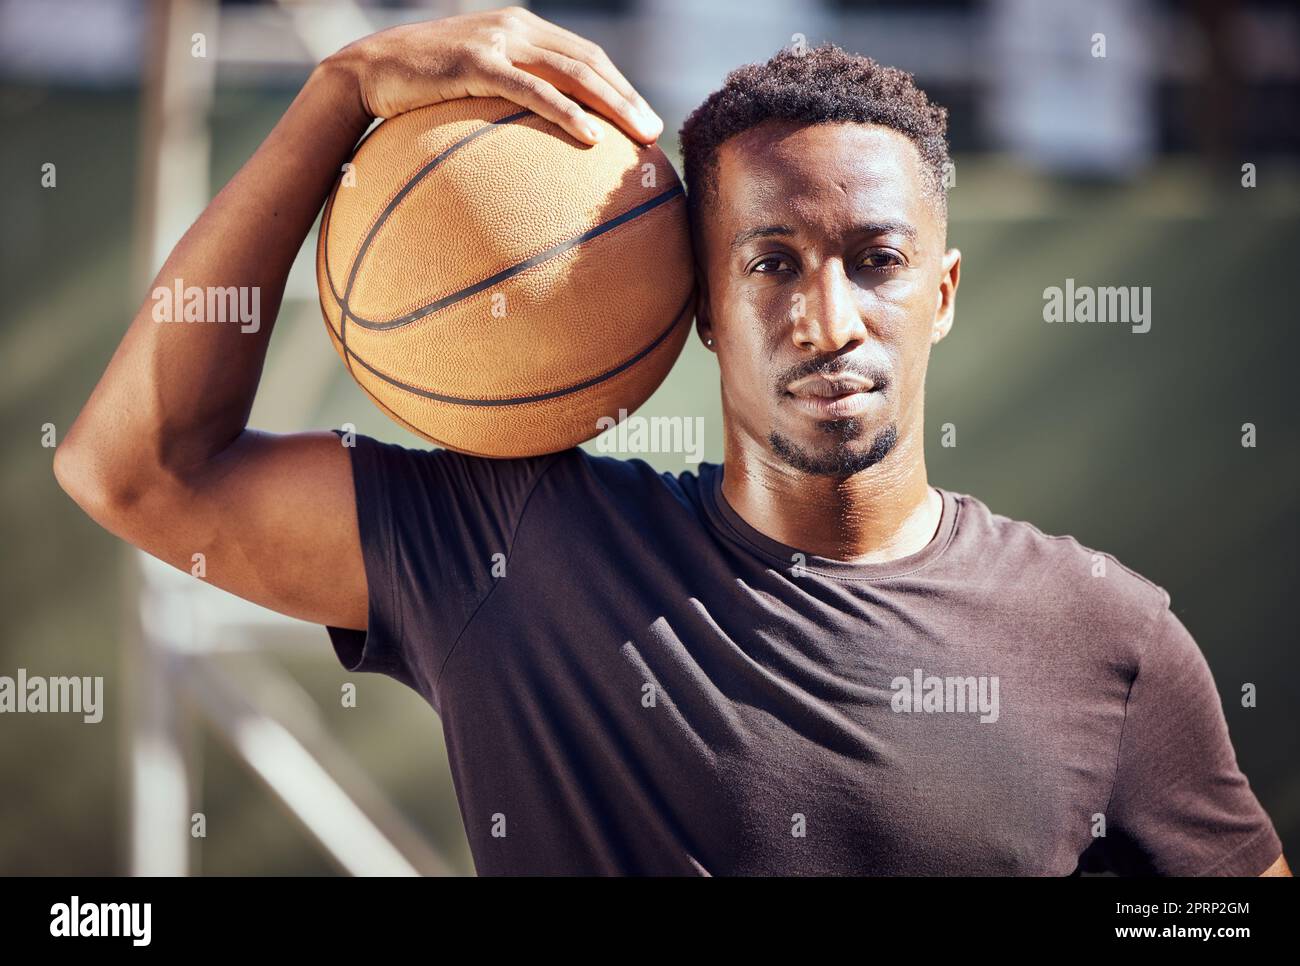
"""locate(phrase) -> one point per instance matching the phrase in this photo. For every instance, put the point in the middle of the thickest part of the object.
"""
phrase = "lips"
(833, 398)
(830, 384)
(829, 388)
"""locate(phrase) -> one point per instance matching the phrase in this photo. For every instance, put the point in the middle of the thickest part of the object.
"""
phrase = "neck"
(880, 514)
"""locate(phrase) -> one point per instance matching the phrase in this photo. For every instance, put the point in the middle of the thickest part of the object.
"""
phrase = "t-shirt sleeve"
(1180, 804)
(432, 523)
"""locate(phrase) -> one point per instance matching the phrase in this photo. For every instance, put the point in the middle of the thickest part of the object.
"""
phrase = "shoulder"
(572, 477)
(1057, 571)
(433, 470)
(618, 480)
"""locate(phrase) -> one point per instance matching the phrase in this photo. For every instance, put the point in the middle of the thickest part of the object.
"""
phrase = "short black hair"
(812, 86)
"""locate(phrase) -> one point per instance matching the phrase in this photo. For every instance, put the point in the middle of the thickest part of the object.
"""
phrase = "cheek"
(745, 361)
(748, 320)
(747, 371)
(749, 304)
(902, 312)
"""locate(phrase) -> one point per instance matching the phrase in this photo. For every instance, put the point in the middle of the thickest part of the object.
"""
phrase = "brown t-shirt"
(631, 679)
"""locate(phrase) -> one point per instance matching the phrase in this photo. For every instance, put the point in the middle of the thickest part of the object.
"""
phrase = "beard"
(840, 459)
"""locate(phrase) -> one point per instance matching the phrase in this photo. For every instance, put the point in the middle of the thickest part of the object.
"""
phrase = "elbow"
(88, 479)
(72, 471)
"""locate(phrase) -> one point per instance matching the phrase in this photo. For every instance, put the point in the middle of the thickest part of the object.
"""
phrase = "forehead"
(820, 174)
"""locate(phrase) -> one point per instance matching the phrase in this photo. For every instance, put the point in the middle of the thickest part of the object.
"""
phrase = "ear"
(945, 299)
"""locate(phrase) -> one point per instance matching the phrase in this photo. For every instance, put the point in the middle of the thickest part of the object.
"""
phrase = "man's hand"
(508, 53)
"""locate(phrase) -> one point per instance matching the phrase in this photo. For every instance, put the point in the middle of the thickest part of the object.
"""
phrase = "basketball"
(496, 286)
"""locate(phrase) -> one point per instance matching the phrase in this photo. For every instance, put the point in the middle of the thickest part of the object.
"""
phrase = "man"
(806, 660)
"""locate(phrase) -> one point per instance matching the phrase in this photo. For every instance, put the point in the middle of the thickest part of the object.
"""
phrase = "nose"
(825, 314)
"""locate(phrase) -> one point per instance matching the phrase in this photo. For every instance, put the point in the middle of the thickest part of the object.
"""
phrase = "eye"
(769, 265)
(881, 260)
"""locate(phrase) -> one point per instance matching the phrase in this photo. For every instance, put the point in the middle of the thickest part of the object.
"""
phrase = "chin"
(839, 447)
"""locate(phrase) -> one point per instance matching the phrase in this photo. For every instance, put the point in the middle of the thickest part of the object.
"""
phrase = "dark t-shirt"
(631, 679)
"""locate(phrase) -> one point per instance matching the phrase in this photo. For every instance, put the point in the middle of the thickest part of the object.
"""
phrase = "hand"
(508, 53)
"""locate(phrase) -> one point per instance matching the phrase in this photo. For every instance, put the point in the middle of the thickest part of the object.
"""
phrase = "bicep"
(274, 517)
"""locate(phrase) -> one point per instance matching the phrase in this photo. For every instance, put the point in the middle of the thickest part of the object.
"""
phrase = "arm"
(161, 454)
(1180, 803)
(1277, 868)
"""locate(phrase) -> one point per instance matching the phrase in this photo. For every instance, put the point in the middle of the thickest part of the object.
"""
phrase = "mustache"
(833, 367)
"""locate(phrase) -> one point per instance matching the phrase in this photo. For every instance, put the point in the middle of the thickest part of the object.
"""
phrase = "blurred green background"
(1131, 443)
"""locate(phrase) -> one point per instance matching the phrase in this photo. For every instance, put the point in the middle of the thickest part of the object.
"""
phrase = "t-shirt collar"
(731, 524)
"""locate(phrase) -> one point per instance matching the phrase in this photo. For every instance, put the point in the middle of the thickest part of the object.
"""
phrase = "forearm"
(176, 393)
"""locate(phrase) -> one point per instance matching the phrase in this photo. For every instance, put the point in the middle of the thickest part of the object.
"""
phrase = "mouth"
(833, 398)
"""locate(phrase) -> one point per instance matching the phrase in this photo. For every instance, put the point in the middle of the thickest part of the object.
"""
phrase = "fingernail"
(594, 132)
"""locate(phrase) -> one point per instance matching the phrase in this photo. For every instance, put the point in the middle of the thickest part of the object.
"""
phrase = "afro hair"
(814, 86)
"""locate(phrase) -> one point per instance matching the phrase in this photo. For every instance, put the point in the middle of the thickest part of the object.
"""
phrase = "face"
(824, 284)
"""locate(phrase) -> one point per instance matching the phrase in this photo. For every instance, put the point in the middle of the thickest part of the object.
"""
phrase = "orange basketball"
(495, 285)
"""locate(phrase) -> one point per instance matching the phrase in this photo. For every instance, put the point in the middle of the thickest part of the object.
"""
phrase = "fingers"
(603, 87)
(583, 82)
(542, 98)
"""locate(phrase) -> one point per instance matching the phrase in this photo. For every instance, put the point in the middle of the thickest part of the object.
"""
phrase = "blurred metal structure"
(186, 627)
(188, 632)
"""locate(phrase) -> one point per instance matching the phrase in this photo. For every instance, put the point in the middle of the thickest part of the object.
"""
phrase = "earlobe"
(705, 332)
(703, 322)
(942, 315)
(942, 321)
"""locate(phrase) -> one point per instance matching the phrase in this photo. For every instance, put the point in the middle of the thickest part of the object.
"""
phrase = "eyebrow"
(872, 229)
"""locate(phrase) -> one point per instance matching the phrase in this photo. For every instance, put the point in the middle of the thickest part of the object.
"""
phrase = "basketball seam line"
(415, 430)
(338, 335)
(606, 226)
(391, 203)
(540, 397)
(383, 210)
(389, 209)
(355, 151)
(519, 267)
